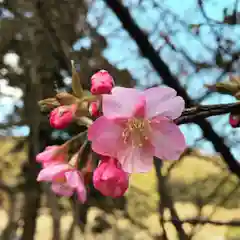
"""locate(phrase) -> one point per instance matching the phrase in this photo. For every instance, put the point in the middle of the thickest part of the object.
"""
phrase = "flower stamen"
(60, 179)
(137, 131)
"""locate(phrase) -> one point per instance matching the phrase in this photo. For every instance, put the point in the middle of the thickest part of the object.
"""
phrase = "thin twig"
(203, 221)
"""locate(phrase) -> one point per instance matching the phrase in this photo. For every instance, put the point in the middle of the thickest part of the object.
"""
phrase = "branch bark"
(203, 111)
(163, 71)
(60, 49)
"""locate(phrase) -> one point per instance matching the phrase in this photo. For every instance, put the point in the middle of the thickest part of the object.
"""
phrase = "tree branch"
(12, 124)
(203, 221)
(163, 71)
(60, 49)
(193, 221)
(203, 111)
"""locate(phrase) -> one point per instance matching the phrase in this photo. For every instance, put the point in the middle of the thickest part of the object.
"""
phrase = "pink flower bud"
(50, 156)
(94, 109)
(234, 120)
(109, 178)
(102, 83)
(62, 116)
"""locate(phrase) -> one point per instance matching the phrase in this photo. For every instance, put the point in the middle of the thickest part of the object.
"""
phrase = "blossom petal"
(73, 179)
(47, 154)
(105, 135)
(163, 101)
(138, 160)
(62, 189)
(52, 171)
(82, 194)
(121, 103)
(156, 94)
(50, 155)
(167, 138)
(47, 164)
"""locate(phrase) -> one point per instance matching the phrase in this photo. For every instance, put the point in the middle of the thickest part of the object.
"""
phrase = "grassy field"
(194, 178)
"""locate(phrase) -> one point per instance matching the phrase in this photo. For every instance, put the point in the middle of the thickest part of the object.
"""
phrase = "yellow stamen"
(137, 131)
(60, 180)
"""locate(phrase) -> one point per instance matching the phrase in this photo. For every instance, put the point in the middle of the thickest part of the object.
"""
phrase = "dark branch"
(60, 51)
(198, 112)
(163, 71)
(195, 221)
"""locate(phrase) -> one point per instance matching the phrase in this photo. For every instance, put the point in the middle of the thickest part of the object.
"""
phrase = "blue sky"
(122, 51)
(147, 18)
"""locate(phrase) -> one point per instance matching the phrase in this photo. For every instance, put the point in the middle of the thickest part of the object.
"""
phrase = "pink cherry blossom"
(62, 116)
(102, 83)
(109, 178)
(137, 125)
(234, 120)
(51, 155)
(65, 180)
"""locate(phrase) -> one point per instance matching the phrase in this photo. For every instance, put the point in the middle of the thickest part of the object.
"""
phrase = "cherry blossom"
(137, 125)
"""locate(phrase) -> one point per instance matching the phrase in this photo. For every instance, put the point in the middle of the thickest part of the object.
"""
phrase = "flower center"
(137, 131)
(60, 179)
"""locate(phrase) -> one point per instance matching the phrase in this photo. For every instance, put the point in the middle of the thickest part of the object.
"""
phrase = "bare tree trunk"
(32, 188)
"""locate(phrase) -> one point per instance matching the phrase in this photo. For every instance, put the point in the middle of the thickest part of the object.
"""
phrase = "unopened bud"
(110, 179)
(234, 120)
(62, 116)
(102, 83)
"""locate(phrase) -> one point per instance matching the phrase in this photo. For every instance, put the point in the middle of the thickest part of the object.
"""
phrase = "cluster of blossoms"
(131, 127)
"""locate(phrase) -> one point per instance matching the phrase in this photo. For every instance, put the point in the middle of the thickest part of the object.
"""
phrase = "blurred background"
(182, 44)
